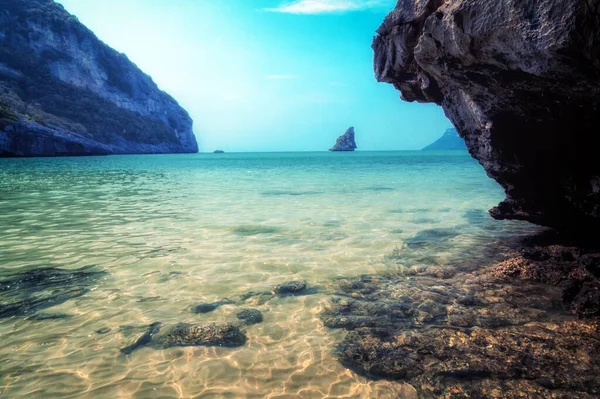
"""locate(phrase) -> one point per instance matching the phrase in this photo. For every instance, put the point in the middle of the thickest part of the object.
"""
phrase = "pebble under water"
(291, 275)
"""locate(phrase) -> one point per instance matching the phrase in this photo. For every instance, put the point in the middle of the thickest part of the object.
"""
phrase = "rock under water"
(25, 293)
(520, 80)
(209, 307)
(250, 316)
(184, 334)
(477, 334)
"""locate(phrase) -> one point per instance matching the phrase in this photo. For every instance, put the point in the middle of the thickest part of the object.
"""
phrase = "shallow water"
(175, 231)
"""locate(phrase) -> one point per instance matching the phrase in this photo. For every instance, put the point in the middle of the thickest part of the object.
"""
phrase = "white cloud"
(329, 6)
(280, 77)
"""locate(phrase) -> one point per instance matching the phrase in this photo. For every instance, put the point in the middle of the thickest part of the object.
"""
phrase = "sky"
(267, 75)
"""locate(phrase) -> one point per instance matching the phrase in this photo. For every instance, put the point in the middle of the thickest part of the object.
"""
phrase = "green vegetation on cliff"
(44, 99)
(57, 73)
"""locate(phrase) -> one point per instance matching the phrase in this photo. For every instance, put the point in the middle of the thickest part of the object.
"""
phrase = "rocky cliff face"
(59, 80)
(450, 141)
(520, 79)
(345, 142)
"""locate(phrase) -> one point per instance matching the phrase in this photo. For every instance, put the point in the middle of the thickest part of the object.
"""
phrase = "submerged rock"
(103, 330)
(534, 360)
(25, 293)
(209, 307)
(520, 81)
(291, 287)
(184, 334)
(48, 316)
(350, 314)
(478, 332)
(345, 142)
(548, 259)
(250, 316)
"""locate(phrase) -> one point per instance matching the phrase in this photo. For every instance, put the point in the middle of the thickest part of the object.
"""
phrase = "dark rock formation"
(32, 139)
(183, 334)
(478, 334)
(520, 80)
(250, 316)
(572, 266)
(64, 92)
(291, 287)
(450, 141)
(345, 142)
(529, 361)
(25, 293)
(209, 307)
(218, 152)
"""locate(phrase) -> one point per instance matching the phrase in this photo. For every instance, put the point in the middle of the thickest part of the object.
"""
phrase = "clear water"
(175, 231)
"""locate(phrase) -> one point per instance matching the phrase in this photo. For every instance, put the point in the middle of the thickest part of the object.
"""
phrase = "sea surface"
(168, 232)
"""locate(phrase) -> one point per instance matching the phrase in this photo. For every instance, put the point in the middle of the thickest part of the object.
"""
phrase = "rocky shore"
(476, 330)
(503, 318)
(520, 82)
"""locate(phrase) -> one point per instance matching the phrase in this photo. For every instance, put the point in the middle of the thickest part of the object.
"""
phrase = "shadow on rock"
(574, 266)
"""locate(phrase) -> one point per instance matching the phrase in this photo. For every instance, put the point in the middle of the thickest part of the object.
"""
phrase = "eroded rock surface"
(479, 334)
(513, 317)
(574, 268)
(520, 81)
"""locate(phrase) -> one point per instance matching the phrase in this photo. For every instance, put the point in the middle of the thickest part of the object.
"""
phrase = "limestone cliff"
(450, 141)
(65, 92)
(345, 142)
(520, 80)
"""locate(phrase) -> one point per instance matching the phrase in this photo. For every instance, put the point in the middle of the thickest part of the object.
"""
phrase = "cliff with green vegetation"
(65, 92)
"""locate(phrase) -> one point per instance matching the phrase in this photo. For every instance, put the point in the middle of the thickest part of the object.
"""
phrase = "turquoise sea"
(168, 232)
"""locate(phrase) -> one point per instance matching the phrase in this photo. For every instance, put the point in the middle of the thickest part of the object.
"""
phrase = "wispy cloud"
(329, 6)
(281, 77)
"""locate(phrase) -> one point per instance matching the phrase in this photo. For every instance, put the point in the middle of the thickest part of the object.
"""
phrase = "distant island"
(448, 142)
(65, 92)
(345, 142)
(218, 151)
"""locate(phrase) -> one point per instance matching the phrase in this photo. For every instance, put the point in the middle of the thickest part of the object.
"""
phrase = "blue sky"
(267, 75)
